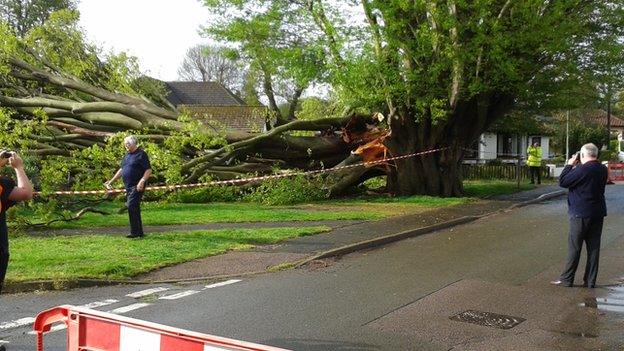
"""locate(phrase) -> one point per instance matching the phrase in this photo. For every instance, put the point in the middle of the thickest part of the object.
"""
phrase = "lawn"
(177, 213)
(356, 208)
(115, 257)
(485, 189)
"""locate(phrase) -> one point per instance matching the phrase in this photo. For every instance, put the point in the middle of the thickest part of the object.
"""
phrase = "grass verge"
(358, 208)
(488, 188)
(114, 257)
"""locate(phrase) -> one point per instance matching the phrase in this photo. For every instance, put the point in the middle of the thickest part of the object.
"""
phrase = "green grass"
(176, 213)
(115, 257)
(488, 188)
(359, 208)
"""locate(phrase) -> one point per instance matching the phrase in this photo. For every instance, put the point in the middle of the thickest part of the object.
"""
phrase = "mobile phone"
(577, 156)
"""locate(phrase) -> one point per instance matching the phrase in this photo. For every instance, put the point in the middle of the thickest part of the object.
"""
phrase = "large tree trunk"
(439, 173)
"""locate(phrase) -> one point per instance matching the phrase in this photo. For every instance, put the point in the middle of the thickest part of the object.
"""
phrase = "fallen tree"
(76, 115)
(441, 74)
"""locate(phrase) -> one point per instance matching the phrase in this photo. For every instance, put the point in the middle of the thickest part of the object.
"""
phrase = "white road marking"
(17, 323)
(97, 304)
(179, 295)
(227, 282)
(610, 301)
(611, 308)
(147, 292)
(29, 320)
(129, 308)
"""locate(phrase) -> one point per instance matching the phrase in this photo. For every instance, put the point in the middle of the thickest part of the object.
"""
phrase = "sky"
(158, 32)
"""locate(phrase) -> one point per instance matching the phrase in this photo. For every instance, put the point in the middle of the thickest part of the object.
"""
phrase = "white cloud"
(158, 32)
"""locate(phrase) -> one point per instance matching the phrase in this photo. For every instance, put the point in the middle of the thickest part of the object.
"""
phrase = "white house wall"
(545, 147)
(487, 146)
(490, 146)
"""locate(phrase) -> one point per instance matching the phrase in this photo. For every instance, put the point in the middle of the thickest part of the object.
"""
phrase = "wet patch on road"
(488, 319)
(613, 301)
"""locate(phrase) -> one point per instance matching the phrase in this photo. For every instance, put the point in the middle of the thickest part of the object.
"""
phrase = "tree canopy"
(23, 15)
(440, 72)
(443, 71)
(280, 48)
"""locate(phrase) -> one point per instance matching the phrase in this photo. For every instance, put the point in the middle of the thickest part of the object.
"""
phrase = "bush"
(608, 155)
(375, 183)
(205, 195)
(288, 191)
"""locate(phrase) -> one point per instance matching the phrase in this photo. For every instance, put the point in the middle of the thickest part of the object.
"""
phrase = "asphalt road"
(397, 297)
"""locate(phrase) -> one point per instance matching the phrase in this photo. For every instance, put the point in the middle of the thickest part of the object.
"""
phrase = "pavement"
(345, 237)
(422, 293)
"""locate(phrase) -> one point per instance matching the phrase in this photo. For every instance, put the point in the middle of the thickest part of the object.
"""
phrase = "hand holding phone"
(575, 159)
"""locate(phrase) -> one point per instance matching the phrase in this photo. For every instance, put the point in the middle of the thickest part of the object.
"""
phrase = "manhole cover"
(488, 319)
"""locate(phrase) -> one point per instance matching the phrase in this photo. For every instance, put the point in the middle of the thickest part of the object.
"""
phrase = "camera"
(6, 154)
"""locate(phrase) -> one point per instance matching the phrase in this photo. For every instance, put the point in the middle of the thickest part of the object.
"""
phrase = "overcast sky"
(158, 32)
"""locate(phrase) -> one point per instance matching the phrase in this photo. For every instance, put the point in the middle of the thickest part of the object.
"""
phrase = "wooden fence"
(504, 171)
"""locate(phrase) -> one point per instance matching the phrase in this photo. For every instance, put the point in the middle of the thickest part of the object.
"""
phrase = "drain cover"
(488, 319)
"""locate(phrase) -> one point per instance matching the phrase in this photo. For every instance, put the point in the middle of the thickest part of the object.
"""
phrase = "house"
(616, 123)
(505, 147)
(600, 117)
(217, 106)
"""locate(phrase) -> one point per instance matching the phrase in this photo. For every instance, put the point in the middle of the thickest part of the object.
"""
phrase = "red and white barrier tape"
(244, 180)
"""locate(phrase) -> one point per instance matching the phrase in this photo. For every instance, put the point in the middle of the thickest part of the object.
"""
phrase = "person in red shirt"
(10, 193)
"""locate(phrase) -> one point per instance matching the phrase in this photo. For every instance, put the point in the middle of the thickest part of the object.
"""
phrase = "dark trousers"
(133, 201)
(4, 262)
(535, 172)
(588, 230)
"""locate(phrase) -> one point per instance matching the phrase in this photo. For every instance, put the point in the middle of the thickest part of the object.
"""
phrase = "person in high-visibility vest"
(534, 161)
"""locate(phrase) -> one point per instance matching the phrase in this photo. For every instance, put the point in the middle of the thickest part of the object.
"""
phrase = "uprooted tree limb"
(80, 115)
(71, 218)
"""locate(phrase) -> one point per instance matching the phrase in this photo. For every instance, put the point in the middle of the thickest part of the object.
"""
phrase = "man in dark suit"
(135, 171)
(585, 177)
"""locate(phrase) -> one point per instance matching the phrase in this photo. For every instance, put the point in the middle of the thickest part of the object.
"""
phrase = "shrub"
(608, 155)
(375, 183)
(205, 195)
(288, 191)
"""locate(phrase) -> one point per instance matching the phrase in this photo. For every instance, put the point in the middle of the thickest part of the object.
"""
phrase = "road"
(397, 297)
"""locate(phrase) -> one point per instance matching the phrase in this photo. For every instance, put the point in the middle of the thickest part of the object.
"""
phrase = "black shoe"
(2, 348)
(561, 283)
(130, 236)
(585, 285)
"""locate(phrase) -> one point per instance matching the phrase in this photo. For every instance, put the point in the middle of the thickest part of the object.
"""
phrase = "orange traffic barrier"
(89, 330)
(616, 172)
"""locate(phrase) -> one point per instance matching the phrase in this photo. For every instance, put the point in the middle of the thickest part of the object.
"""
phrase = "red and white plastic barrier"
(616, 172)
(89, 330)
